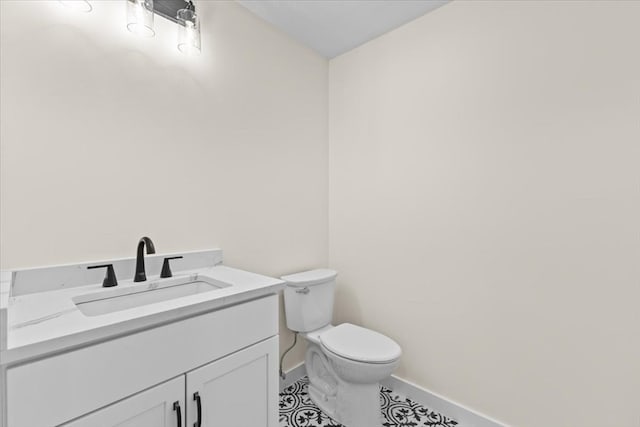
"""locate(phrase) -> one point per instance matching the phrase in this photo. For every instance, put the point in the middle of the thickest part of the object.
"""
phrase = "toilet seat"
(360, 344)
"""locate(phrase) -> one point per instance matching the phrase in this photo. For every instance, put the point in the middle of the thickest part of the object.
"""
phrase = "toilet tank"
(308, 299)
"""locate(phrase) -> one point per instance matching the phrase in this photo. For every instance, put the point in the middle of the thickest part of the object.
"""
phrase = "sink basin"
(129, 296)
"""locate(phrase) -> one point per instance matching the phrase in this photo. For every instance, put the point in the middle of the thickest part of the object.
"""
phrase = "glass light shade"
(188, 32)
(140, 17)
(78, 5)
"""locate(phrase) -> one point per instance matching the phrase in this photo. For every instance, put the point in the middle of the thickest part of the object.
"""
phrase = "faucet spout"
(141, 275)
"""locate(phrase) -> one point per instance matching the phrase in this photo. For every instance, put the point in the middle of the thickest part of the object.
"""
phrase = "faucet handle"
(110, 278)
(166, 270)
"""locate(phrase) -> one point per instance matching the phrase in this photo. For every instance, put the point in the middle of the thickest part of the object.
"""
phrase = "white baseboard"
(293, 375)
(465, 417)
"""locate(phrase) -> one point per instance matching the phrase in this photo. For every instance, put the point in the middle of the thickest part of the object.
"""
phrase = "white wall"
(485, 205)
(107, 137)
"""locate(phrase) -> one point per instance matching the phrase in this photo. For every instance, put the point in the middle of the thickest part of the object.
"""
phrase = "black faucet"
(140, 275)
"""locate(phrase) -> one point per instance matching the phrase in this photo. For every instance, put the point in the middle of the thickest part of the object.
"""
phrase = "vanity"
(197, 349)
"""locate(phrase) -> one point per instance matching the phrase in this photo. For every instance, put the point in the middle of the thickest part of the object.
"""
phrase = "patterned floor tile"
(297, 410)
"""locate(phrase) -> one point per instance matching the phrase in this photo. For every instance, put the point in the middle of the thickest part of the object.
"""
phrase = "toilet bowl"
(345, 363)
(341, 383)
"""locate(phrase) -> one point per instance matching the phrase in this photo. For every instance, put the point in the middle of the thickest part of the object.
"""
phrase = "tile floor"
(297, 410)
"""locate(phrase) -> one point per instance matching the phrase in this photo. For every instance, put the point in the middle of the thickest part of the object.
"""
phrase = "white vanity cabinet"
(227, 356)
(239, 390)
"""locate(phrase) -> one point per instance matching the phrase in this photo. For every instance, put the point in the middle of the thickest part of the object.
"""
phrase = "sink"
(150, 292)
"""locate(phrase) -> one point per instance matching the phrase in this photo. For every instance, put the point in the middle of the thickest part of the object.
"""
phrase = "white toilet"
(345, 363)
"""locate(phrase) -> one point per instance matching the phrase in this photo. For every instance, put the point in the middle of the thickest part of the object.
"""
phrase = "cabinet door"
(155, 407)
(240, 390)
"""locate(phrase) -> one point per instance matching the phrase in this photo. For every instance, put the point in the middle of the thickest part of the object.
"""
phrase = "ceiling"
(332, 27)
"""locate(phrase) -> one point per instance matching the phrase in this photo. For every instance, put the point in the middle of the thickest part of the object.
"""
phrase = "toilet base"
(358, 405)
(350, 404)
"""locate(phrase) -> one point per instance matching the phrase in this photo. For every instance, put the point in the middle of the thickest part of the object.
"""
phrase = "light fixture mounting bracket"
(169, 8)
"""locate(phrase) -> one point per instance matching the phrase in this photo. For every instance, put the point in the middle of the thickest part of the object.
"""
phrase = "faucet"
(140, 275)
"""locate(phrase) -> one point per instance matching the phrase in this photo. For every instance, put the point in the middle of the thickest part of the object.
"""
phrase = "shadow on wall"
(347, 304)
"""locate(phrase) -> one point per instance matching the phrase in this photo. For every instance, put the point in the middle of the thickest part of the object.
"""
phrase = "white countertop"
(43, 323)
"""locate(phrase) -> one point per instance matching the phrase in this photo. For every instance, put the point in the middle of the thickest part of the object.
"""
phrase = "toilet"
(345, 363)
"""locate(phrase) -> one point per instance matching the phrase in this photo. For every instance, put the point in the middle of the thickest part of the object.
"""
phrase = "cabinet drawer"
(51, 391)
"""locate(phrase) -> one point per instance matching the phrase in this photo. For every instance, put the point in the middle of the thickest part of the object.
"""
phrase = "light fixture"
(77, 5)
(188, 30)
(140, 17)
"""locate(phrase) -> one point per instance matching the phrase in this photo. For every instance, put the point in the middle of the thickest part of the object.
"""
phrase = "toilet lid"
(360, 344)
(310, 278)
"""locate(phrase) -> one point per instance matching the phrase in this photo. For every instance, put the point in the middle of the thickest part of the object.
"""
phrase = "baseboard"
(466, 417)
(293, 375)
